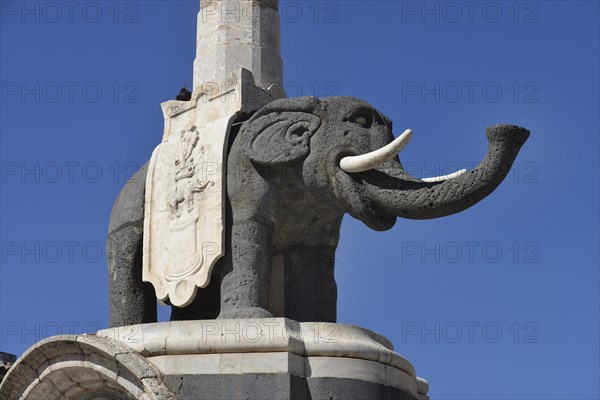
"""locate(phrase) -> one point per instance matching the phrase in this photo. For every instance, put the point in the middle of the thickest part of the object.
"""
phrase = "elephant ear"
(279, 134)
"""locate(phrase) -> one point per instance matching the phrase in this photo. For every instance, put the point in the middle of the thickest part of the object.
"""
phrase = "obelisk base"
(273, 358)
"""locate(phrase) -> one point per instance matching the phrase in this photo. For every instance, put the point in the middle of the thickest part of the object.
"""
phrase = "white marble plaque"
(184, 214)
(183, 236)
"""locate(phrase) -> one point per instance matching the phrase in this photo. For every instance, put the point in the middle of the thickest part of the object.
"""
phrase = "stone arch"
(83, 368)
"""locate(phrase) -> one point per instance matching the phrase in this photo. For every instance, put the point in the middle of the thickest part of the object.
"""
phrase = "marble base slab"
(271, 358)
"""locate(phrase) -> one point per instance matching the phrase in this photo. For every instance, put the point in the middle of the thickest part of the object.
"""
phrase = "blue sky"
(498, 302)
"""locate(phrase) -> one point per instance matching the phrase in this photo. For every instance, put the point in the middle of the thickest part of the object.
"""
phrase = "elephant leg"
(131, 301)
(245, 288)
(310, 290)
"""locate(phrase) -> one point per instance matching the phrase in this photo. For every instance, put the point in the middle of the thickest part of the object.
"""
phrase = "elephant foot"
(245, 313)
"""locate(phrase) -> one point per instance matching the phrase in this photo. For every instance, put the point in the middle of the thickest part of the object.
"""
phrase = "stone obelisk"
(234, 34)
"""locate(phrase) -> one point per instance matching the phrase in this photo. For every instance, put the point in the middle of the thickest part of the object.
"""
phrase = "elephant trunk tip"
(512, 133)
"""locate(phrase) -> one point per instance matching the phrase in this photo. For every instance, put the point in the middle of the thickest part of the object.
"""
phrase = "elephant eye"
(361, 116)
(361, 120)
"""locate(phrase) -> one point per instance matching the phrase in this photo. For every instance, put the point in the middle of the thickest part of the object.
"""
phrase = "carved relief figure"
(187, 181)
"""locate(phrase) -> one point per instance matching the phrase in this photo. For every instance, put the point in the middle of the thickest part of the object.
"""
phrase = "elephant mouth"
(351, 192)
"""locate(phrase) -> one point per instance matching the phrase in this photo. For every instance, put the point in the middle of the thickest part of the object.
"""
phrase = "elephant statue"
(294, 168)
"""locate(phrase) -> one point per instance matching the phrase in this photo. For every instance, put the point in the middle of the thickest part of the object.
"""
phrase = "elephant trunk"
(397, 193)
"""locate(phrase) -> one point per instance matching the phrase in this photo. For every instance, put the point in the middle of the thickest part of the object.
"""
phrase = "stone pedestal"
(221, 359)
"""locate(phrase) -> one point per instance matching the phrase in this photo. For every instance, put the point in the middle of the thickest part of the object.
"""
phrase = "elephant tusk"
(367, 161)
(444, 177)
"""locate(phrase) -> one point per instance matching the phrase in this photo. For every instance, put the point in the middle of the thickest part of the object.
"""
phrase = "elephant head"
(344, 154)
